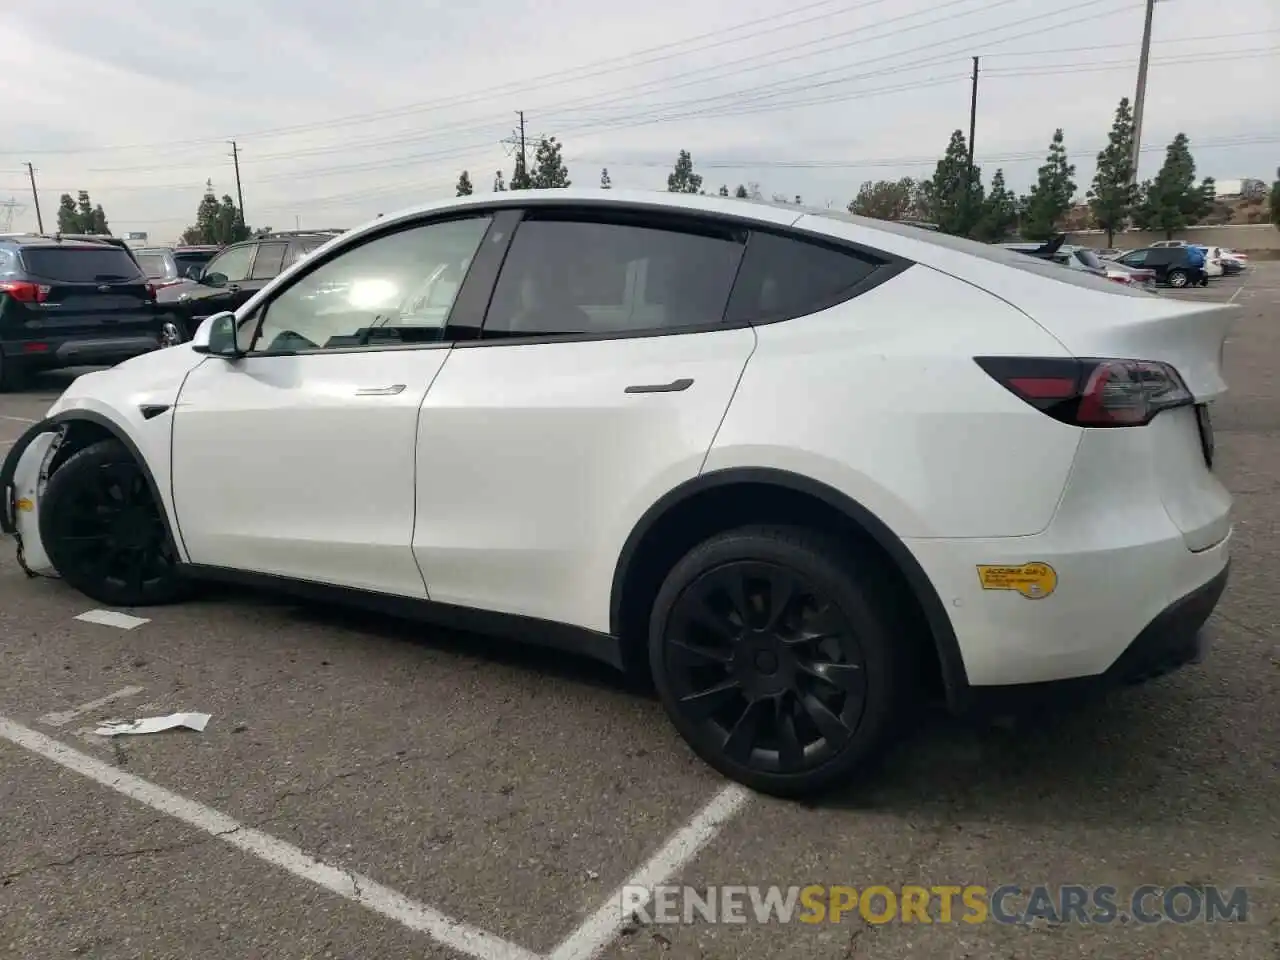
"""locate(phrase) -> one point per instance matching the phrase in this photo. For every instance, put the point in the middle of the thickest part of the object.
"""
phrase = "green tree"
(1172, 201)
(741, 192)
(954, 199)
(605, 182)
(1050, 197)
(999, 212)
(98, 222)
(464, 184)
(217, 221)
(499, 185)
(68, 216)
(1112, 195)
(884, 199)
(84, 211)
(548, 166)
(520, 179)
(724, 190)
(231, 225)
(682, 179)
(1275, 204)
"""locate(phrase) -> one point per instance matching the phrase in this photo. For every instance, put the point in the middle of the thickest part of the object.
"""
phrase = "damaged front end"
(22, 482)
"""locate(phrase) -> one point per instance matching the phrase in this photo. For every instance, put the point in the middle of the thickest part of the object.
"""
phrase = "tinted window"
(781, 277)
(396, 289)
(578, 276)
(80, 264)
(232, 263)
(186, 261)
(269, 261)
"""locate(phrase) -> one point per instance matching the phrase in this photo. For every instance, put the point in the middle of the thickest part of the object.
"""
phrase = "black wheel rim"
(110, 530)
(766, 671)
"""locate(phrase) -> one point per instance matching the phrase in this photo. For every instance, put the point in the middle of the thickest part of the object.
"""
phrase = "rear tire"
(105, 533)
(775, 655)
(1178, 278)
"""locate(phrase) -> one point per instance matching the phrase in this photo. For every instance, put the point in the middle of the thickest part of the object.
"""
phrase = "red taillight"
(25, 292)
(1120, 278)
(35, 348)
(1091, 393)
(151, 291)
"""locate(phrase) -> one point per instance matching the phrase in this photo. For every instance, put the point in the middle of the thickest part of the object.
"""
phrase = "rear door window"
(270, 260)
(80, 264)
(787, 277)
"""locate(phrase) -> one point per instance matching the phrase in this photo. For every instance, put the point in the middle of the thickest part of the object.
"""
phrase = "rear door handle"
(390, 391)
(675, 386)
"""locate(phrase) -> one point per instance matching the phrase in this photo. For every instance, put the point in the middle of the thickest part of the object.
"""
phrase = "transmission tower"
(8, 210)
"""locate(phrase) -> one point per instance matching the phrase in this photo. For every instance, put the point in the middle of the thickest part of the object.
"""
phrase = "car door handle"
(233, 288)
(675, 386)
(390, 391)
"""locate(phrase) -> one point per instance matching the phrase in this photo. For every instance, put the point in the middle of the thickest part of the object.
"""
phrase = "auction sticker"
(1033, 580)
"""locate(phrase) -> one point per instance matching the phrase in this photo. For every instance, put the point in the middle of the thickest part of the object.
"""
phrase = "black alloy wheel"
(103, 530)
(772, 662)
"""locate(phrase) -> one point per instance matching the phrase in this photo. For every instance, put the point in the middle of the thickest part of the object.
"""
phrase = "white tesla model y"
(797, 466)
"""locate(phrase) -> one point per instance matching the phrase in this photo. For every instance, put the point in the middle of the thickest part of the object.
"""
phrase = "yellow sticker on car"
(26, 504)
(1033, 580)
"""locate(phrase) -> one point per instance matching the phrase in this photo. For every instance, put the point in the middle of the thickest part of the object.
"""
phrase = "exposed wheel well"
(80, 434)
(725, 506)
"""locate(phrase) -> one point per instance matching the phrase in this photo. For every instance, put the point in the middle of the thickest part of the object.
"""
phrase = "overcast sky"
(345, 110)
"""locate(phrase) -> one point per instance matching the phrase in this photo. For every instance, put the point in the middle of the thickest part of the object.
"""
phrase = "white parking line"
(62, 717)
(18, 419)
(1237, 293)
(345, 883)
(111, 618)
(603, 926)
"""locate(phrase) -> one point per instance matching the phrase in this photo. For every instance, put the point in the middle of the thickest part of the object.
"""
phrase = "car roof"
(58, 240)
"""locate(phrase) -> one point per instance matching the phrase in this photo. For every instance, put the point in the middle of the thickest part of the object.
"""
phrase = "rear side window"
(786, 277)
(571, 276)
(270, 260)
(80, 264)
(157, 266)
(186, 261)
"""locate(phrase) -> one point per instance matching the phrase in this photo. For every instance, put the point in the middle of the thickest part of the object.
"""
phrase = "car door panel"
(535, 462)
(298, 458)
(537, 457)
(303, 466)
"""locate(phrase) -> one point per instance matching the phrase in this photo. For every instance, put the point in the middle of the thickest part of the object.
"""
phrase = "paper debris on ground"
(192, 721)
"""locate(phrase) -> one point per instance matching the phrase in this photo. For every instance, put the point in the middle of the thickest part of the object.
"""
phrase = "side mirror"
(193, 272)
(214, 279)
(217, 336)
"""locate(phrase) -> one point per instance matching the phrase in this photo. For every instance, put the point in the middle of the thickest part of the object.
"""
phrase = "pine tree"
(724, 190)
(68, 217)
(499, 185)
(98, 222)
(682, 179)
(605, 182)
(1275, 204)
(999, 212)
(1111, 197)
(84, 212)
(741, 192)
(1172, 201)
(955, 199)
(464, 184)
(1050, 197)
(520, 179)
(548, 166)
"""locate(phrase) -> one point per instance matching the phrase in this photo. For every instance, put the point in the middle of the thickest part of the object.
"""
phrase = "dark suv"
(234, 275)
(70, 302)
(1176, 266)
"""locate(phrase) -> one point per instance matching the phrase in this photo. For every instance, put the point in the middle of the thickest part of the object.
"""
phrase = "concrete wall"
(1262, 239)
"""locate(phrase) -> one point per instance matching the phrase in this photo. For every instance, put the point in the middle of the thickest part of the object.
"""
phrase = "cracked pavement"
(514, 789)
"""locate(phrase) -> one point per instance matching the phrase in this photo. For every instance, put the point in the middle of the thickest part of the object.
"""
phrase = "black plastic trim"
(954, 676)
(558, 636)
(150, 411)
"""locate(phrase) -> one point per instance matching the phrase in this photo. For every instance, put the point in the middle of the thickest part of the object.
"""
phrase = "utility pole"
(973, 121)
(31, 172)
(1141, 95)
(524, 160)
(235, 158)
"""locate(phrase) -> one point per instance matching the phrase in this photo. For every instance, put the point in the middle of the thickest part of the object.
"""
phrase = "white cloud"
(344, 110)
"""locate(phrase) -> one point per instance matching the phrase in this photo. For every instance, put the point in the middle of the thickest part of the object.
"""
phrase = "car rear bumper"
(87, 350)
(1096, 599)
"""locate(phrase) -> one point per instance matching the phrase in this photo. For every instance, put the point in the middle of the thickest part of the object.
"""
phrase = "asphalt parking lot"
(368, 788)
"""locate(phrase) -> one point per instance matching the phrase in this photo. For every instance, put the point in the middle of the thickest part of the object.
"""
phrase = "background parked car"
(1212, 260)
(232, 276)
(1234, 262)
(166, 266)
(1176, 266)
(71, 302)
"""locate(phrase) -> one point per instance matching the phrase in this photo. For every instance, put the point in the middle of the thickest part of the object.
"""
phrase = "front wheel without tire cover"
(774, 660)
(1177, 278)
(104, 531)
